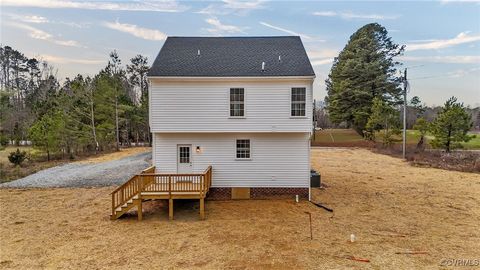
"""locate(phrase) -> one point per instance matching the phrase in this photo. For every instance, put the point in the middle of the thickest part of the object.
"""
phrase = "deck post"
(170, 208)
(202, 208)
(113, 205)
(139, 206)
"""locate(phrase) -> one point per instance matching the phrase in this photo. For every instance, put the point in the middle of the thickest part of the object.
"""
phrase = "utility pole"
(314, 118)
(404, 146)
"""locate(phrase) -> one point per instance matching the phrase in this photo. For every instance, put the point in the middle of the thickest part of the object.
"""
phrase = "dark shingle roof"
(231, 57)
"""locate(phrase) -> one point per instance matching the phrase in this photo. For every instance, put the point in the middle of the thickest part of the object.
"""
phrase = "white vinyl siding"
(277, 159)
(201, 106)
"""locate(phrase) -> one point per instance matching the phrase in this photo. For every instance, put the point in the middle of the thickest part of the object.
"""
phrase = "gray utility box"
(314, 179)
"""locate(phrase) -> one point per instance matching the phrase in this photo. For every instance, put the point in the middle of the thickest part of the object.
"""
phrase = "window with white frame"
(237, 102)
(298, 97)
(243, 149)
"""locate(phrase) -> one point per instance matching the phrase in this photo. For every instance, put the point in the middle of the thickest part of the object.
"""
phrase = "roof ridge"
(233, 37)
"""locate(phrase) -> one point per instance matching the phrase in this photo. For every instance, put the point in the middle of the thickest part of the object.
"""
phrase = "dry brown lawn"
(389, 205)
(124, 152)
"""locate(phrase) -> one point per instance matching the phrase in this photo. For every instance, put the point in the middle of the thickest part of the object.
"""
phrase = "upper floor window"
(298, 101)
(243, 149)
(237, 102)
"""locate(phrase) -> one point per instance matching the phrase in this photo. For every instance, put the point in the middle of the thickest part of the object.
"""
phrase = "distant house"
(242, 105)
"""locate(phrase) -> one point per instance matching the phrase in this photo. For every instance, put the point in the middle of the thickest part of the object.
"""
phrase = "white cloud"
(325, 53)
(74, 24)
(42, 35)
(463, 72)
(40, 20)
(347, 15)
(285, 30)
(28, 18)
(320, 62)
(232, 6)
(33, 32)
(140, 32)
(459, 1)
(350, 15)
(325, 13)
(220, 28)
(322, 57)
(160, 6)
(63, 60)
(461, 38)
(452, 59)
(213, 9)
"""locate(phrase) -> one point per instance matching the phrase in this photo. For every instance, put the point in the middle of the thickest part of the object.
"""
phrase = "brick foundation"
(268, 193)
(259, 193)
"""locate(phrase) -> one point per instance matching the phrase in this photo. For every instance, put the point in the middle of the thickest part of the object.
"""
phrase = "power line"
(404, 135)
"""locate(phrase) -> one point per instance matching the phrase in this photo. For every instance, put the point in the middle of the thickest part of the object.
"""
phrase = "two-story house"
(242, 105)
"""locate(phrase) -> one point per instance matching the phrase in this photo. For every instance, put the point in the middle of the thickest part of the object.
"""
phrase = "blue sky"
(442, 37)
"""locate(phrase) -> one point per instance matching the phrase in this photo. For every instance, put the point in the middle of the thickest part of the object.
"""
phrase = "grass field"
(10, 172)
(348, 137)
(338, 137)
(392, 208)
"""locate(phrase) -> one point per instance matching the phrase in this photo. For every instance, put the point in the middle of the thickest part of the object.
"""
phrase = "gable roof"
(232, 57)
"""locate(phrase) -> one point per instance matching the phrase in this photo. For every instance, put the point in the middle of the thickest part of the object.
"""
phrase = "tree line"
(365, 89)
(78, 115)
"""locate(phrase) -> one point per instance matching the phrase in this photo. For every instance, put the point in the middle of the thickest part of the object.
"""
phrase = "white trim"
(154, 153)
(309, 167)
(149, 104)
(244, 103)
(190, 156)
(250, 149)
(290, 100)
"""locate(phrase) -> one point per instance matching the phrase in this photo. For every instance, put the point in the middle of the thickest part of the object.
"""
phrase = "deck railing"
(178, 183)
(173, 184)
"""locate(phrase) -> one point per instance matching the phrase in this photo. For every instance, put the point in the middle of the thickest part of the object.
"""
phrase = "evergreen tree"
(417, 106)
(137, 71)
(364, 69)
(46, 132)
(451, 126)
(422, 126)
(383, 118)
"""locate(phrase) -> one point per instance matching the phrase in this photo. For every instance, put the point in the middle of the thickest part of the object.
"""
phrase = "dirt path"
(389, 205)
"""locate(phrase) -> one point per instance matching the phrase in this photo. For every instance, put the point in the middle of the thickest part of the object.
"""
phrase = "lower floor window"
(243, 149)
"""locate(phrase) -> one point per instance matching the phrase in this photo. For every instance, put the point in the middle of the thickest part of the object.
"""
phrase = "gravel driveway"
(80, 174)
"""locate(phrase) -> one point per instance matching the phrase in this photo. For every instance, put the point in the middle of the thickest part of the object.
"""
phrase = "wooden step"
(124, 208)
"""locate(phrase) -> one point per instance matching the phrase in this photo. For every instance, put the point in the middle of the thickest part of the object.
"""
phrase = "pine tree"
(383, 118)
(422, 126)
(46, 132)
(451, 126)
(137, 71)
(364, 69)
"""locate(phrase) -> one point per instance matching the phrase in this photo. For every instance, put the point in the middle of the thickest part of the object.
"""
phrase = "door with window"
(184, 158)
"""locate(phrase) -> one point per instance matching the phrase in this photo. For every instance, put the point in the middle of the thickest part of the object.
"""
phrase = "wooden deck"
(149, 185)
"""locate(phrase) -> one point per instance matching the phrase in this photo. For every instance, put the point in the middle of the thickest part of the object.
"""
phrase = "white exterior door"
(184, 158)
